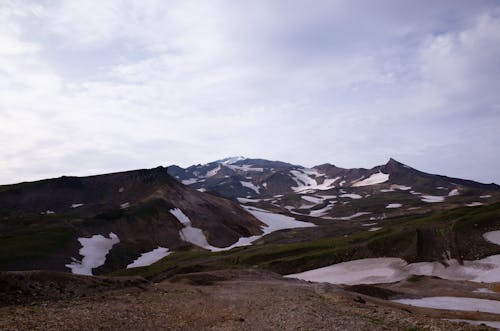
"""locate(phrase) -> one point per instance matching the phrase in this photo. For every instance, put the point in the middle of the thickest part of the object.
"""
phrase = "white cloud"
(88, 87)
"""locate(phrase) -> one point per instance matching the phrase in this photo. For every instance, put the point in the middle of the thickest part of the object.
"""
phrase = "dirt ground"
(243, 300)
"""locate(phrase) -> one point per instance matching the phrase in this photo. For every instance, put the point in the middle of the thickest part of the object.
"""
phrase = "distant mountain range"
(97, 224)
(328, 191)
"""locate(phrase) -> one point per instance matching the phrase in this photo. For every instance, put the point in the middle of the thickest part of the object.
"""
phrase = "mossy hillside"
(399, 240)
(31, 244)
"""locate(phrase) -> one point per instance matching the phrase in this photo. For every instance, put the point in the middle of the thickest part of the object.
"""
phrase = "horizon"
(92, 88)
(224, 158)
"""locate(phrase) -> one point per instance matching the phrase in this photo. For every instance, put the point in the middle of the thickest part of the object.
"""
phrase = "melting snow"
(455, 303)
(303, 180)
(326, 197)
(149, 258)
(321, 212)
(484, 290)
(276, 222)
(493, 237)
(351, 195)
(189, 181)
(246, 200)
(474, 204)
(213, 172)
(432, 198)
(347, 218)
(125, 205)
(377, 178)
(485, 196)
(374, 229)
(453, 193)
(190, 233)
(251, 186)
(245, 168)
(231, 160)
(312, 199)
(486, 270)
(76, 205)
(366, 271)
(94, 251)
(400, 187)
(273, 222)
(394, 205)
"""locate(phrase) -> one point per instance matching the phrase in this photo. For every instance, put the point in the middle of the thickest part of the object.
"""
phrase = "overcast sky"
(89, 87)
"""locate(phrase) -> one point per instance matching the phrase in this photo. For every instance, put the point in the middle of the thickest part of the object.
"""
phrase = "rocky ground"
(222, 300)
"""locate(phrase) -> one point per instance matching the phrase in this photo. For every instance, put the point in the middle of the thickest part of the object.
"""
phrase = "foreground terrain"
(223, 300)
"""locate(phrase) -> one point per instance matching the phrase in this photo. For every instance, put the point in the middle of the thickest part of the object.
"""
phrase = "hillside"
(46, 224)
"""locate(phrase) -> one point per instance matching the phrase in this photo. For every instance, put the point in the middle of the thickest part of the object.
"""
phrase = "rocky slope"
(329, 192)
(41, 222)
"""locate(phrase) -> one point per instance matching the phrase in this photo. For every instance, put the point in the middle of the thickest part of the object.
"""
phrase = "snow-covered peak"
(231, 160)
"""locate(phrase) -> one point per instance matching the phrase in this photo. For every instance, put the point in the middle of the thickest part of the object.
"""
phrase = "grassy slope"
(396, 239)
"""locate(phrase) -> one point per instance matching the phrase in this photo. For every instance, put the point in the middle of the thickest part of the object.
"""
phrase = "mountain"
(98, 224)
(330, 192)
(253, 228)
(47, 224)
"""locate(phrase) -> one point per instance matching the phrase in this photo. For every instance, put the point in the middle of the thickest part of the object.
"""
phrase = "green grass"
(395, 239)
(32, 245)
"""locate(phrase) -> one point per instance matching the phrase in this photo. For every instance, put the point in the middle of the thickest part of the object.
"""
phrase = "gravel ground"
(240, 303)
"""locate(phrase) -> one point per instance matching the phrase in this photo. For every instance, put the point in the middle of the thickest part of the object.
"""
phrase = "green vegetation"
(395, 239)
(33, 244)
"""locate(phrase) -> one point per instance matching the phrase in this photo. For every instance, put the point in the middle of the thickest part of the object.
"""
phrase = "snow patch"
(76, 205)
(492, 237)
(377, 178)
(351, 195)
(231, 160)
(486, 270)
(273, 222)
(149, 258)
(453, 193)
(189, 233)
(190, 181)
(94, 251)
(474, 204)
(213, 172)
(394, 205)
(347, 218)
(365, 271)
(246, 200)
(321, 212)
(454, 303)
(251, 186)
(312, 199)
(245, 168)
(432, 198)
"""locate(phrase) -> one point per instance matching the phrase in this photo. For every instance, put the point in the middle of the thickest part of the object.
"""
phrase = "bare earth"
(242, 301)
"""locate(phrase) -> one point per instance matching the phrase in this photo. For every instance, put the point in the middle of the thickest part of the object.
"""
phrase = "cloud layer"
(91, 86)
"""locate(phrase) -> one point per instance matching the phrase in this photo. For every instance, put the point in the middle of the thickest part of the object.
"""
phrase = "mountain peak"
(394, 162)
(231, 159)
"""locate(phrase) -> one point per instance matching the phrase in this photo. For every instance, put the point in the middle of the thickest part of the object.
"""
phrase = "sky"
(89, 87)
